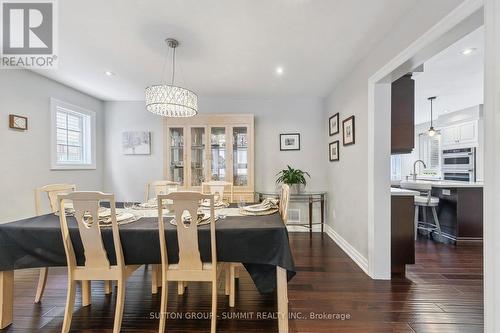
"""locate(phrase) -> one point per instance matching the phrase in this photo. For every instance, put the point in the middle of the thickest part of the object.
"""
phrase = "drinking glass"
(128, 204)
(241, 202)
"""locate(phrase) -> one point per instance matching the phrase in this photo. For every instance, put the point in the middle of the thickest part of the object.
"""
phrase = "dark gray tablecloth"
(259, 242)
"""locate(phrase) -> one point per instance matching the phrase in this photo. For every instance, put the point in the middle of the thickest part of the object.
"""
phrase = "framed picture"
(348, 130)
(18, 122)
(333, 124)
(334, 151)
(290, 141)
(136, 143)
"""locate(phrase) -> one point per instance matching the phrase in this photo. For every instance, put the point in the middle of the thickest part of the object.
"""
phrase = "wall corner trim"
(354, 254)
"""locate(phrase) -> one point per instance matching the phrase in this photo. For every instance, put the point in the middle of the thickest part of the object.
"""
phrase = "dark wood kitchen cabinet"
(402, 233)
(460, 213)
(403, 115)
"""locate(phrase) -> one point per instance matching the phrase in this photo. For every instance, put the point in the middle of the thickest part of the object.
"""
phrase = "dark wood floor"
(443, 293)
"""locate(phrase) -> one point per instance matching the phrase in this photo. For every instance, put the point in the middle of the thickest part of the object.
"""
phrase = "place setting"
(267, 207)
(123, 216)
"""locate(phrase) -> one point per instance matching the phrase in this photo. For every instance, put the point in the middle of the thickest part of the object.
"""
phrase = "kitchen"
(437, 169)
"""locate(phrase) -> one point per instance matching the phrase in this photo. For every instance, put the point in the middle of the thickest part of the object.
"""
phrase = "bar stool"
(424, 200)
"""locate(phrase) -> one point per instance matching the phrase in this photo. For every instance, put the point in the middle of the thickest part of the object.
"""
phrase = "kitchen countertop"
(403, 192)
(446, 183)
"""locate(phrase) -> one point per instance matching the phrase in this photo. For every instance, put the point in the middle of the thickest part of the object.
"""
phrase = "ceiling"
(228, 48)
(456, 79)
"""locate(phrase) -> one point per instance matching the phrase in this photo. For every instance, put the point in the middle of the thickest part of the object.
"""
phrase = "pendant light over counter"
(431, 130)
(169, 100)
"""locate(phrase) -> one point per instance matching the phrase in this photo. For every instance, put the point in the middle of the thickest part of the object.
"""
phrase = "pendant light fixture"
(169, 100)
(431, 130)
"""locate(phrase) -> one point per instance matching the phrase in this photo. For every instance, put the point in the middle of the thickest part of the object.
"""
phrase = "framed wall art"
(333, 151)
(136, 143)
(290, 141)
(348, 131)
(333, 124)
(18, 122)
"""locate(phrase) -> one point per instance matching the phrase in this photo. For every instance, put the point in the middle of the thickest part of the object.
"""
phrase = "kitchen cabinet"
(461, 134)
(211, 147)
(460, 213)
(403, 115)
(402, 233)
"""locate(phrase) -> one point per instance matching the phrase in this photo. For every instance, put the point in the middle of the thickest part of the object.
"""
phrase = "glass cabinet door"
(218, 153)
(176, 166)
(197, 155)
(240, 156)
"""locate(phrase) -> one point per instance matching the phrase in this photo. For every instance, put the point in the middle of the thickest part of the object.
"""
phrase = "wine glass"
(241, 202)
(128, 204)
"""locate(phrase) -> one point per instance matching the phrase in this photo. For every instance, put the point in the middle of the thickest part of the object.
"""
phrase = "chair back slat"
(217, 188)
(284, 202)
(52, 191)
(161, 187)
(187, 233)
(86, 206)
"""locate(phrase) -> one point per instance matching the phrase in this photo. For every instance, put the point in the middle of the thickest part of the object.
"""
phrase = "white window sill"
(73, 167)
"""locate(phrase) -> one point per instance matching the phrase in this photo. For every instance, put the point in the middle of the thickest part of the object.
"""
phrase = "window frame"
(88, 136)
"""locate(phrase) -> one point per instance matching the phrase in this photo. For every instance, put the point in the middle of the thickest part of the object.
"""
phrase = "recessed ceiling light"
(468, 51)
(279, 70)
(109, 73)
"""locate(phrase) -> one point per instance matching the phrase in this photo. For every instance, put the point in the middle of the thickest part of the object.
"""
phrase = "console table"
(310, 197)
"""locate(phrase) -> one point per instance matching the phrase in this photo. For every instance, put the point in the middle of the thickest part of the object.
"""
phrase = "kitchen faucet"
(414, 174)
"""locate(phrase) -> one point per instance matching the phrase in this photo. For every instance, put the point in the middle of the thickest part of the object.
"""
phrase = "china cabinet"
(211, 147)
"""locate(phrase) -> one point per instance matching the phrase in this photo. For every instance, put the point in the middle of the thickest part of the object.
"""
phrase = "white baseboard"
(357, 257)
(295, 228)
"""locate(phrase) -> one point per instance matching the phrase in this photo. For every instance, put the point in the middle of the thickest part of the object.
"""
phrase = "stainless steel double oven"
(459, 164)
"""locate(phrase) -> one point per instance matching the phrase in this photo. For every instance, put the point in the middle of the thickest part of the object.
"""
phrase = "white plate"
(256, 208)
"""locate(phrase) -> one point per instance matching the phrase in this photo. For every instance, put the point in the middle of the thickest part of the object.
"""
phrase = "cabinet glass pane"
(177, 155)
(197, 155)
(218, 153)
(240, 156)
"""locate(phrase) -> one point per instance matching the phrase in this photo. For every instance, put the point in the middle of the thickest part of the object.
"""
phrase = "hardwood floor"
(443, 293)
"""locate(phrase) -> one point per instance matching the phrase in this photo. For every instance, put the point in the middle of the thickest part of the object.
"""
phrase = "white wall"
(126, 175)
(25, 156)
(348, 179)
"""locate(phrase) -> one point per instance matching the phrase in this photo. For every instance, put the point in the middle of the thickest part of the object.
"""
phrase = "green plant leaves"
(292, 176)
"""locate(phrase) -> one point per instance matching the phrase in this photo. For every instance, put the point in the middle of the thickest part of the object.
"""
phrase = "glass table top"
(300, 194)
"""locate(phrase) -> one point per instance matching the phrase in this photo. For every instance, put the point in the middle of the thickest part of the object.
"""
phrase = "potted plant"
(295, 178)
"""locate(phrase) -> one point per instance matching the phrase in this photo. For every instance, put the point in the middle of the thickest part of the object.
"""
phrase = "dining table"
(260, 243)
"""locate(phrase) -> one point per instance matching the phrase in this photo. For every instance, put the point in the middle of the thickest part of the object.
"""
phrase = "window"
(430, 151)
(73, 136)
(395, 167)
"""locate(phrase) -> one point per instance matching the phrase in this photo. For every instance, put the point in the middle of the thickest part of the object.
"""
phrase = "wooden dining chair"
(190, 266)
(97, 265)
(284, 202)
(217, 188)
(232, 272)
(51, 191)
(160, 187)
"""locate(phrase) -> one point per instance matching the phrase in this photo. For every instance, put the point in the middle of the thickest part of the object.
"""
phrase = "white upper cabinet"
(467, 132)
(460, 134)
(449, 135)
